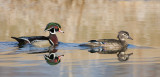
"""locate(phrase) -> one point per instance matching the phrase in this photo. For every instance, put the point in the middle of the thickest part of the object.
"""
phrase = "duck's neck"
(53, 39)
(123, 42)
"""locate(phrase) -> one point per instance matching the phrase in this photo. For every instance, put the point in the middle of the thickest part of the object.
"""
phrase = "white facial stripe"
(50, 28)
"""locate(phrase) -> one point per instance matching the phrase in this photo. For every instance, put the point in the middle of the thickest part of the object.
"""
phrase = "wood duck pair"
(52, 38)
(111, 44)
(55, 27)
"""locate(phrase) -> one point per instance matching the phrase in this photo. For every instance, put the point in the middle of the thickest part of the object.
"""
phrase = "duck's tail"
(14, 37)
(20, 41)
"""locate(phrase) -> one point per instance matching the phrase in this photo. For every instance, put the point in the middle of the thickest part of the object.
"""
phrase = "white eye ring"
(124, 34)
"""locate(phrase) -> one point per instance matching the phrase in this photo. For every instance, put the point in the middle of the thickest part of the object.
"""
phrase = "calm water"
(82, 20)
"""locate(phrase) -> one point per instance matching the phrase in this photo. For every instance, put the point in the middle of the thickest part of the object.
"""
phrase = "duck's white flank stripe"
(51, 41)
(26, 40)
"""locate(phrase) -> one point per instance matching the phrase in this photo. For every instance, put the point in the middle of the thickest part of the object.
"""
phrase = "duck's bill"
(59, 57)
(60, 31)
(130, 38)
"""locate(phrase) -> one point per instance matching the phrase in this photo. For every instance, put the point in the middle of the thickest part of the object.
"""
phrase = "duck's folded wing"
(92, 43)
(30, 40)
(107, 40)
(37, 38)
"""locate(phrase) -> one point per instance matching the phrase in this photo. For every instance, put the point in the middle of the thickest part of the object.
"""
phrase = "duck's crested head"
(123, 35)
(53, 28)
(52, 25)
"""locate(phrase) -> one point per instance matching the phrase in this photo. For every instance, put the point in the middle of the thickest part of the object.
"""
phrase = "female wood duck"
(52, 38)
(111, 44)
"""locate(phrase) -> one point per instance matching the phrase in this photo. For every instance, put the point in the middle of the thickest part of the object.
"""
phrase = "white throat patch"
(53, 33)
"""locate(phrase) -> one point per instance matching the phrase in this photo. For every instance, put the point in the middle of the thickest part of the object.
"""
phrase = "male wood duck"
(111, 44)
(52, 38)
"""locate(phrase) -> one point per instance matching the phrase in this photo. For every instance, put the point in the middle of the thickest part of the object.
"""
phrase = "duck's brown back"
(109, 44)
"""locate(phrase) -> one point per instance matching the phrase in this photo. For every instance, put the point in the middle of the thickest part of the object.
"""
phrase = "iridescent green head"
(53, 28)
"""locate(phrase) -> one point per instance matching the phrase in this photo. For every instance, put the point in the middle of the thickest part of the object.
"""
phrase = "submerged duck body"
(111, 44)
(52, 38)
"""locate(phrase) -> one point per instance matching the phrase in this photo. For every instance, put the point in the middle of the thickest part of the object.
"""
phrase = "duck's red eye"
(55, 27)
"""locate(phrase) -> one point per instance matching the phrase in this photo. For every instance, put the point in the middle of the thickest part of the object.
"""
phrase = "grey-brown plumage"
(111, 44)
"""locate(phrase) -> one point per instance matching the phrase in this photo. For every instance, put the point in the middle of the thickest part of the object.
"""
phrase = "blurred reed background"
(82, 20)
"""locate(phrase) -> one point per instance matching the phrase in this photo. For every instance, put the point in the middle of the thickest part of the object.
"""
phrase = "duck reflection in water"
(52, 58)
(121, 53)
(122, 56)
